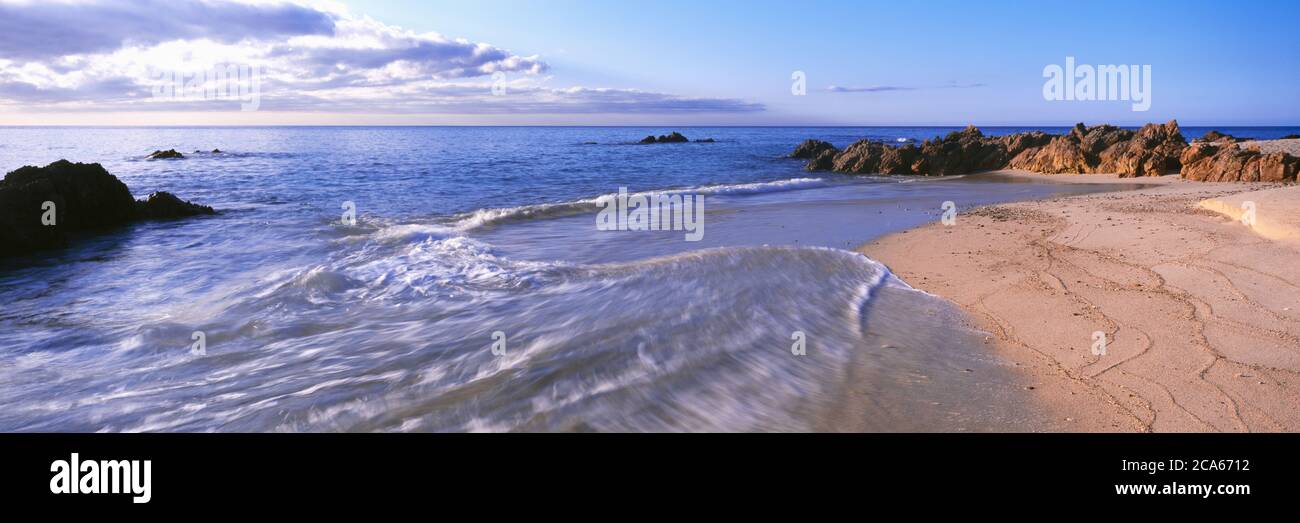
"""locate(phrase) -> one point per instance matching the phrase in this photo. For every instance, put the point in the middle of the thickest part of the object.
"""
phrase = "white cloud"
(107, 56)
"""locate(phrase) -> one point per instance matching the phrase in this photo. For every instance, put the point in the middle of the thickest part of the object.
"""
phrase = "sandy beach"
(1201, 314)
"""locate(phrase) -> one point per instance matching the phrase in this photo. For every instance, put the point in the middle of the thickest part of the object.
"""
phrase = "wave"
(486, 217)
(392, 336)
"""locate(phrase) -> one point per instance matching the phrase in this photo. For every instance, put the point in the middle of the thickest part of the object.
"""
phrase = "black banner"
(155, 471)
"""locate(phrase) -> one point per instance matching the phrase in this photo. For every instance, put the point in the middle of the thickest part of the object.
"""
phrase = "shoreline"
(1198, 338)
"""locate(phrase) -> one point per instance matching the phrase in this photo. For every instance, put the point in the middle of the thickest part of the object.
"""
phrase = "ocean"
(475, 293)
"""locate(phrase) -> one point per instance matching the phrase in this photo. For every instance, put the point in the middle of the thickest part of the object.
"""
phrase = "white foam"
(482, 217)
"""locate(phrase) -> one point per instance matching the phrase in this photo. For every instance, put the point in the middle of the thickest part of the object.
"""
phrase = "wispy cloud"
(67, 55)
(888, 88)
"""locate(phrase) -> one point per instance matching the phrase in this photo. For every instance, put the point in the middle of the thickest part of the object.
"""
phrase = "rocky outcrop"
(1227, 162)
(44, 207)
(169, 154)
(960, 152)
(875, 157)
(1153, 150)
(810, 149)
(1061, 155)
(675, 137)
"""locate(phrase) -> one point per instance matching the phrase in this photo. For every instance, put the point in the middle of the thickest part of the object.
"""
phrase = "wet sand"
(1201, 314)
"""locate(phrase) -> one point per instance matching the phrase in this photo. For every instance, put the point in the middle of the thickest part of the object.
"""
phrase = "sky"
(667, 62)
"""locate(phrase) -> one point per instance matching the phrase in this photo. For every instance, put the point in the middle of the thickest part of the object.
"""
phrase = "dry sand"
(1291, 147)
(1201, 314)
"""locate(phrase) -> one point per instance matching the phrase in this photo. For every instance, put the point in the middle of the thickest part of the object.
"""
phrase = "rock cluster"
(44, 207)
(1228, 162)
(675, 137)
(1216, 136)
(1153, 150)
(165, 155)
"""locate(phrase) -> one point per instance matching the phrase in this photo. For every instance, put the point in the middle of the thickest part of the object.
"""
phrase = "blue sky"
(656, 63)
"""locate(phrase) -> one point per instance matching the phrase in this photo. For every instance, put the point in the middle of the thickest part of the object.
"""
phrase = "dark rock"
(705, 140)
(216, 151)
(1218, 137)
(165, 155)
(85, 198)
(868, 157)
(861, 157)
(166, 206)
(675, 137)
(824, 161)
(1290, 137)
(810, 149)
(961, 152)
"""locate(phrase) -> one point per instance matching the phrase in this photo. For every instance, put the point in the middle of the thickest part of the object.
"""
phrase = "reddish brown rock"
(1154, 150)
(1062, 155)
(1226, 162)
(1278, 167)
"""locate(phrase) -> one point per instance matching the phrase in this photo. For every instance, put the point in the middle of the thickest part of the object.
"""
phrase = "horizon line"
(623, 126)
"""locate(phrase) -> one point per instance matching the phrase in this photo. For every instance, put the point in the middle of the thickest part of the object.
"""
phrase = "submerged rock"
(166, 206)
(44, 207)
(675, 137)
(165, 155)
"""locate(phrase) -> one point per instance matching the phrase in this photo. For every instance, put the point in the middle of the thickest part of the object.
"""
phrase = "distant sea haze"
(389, 323)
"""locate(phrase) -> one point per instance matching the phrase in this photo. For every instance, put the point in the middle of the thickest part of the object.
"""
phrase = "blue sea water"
(469, 235)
